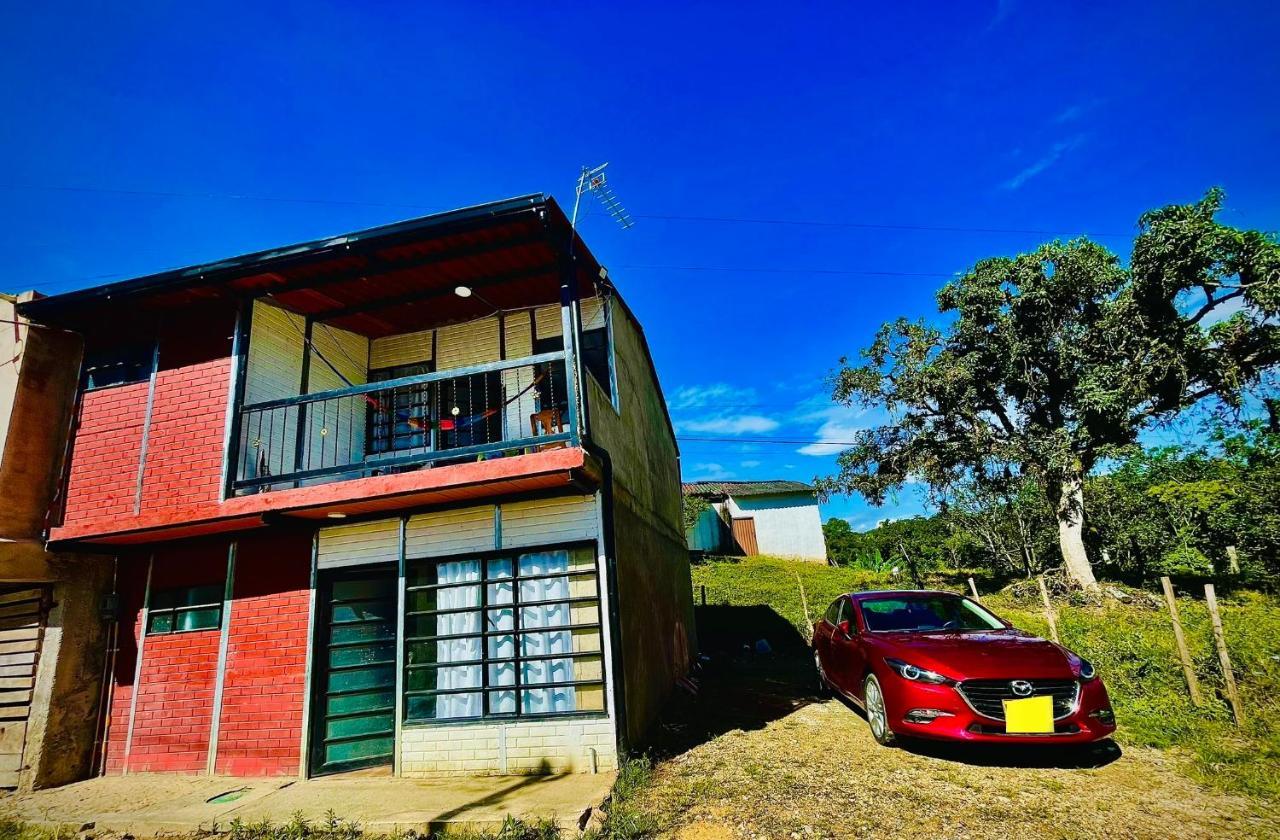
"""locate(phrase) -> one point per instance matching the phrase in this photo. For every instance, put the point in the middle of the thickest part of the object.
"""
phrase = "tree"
(691, 510)
(1056, 359)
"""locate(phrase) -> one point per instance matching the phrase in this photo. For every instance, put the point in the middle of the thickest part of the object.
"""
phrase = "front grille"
(986, 697)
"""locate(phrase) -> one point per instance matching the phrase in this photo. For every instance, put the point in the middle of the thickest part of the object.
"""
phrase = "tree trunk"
(1070, 514)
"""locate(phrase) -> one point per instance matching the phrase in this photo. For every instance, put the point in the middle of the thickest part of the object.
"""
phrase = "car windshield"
(928, 613)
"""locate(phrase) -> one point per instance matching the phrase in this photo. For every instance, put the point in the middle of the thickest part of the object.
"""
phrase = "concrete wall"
(655, 592)
(787, 525)
(39, 369)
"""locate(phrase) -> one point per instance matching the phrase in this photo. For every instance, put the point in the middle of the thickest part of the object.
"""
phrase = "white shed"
(758, 517)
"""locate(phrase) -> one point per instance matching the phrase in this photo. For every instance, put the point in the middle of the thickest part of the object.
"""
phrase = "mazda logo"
(1021, 688)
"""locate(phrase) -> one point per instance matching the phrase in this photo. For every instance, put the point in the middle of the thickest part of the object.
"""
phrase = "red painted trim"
(438, 485)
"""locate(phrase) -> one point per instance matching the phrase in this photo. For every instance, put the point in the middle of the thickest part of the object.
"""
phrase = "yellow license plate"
(1029, 716)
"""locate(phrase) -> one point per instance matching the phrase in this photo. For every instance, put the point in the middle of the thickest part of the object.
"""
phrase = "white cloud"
(708, 472)
(730, 424)
(1222, 312)
(1049, 159)
(839, 426)
(711, 396)
(746, 465)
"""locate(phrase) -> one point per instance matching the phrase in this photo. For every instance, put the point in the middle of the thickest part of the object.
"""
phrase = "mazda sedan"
(937, 665)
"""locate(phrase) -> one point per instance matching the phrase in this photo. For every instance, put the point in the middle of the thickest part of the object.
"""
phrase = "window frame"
(120, 356)
(174, 611)
(517, 687)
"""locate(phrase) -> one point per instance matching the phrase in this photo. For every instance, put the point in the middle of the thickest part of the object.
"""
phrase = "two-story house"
(407, 497)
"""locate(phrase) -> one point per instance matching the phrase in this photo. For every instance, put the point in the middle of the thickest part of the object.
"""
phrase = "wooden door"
(22, 617)
(744, 534)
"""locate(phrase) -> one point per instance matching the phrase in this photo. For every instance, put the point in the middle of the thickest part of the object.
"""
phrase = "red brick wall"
(175, 695)
(183, 458)
(260, 731)
(261, 728)
(131, 580)
(104, 463)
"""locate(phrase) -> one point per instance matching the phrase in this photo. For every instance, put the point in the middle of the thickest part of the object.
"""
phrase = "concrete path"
(146, 805)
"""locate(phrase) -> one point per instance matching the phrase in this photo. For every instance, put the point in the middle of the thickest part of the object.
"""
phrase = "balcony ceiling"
(387, 280)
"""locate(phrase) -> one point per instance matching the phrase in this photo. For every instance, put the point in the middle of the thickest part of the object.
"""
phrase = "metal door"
(744, 534)
(354, 681)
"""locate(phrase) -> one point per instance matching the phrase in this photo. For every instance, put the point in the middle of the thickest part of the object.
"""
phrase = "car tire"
(877, 712)
(824, 687)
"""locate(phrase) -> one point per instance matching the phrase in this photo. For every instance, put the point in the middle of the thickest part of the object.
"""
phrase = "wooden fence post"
(1048, 610)
(804, 602)
(1220, 641)
(973, 587)
(1184, 655)
(704, 594)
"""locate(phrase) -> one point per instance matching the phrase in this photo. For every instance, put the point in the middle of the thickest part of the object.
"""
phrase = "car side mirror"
(846, 628)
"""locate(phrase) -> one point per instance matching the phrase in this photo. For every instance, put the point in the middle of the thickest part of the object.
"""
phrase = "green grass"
(1132, 647)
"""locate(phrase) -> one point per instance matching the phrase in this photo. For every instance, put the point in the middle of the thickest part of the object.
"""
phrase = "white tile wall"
(526, 747)
(360, 543)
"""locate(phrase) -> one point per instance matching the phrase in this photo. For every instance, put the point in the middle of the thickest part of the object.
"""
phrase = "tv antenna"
(594, 181)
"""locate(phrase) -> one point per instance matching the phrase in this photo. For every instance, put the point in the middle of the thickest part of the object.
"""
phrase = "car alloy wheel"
(877, 715)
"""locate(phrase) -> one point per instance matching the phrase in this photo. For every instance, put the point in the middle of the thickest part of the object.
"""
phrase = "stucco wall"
(655, 591)
(786, 525)
(39, 369)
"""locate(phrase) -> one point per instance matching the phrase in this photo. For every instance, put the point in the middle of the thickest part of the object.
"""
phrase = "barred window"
(504, 634)
(185, 609)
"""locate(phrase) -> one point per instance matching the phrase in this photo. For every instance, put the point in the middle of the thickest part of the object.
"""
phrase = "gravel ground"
(756, 755)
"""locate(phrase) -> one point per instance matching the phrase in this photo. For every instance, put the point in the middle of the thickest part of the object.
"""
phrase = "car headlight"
(1087, 671)
(917, 674)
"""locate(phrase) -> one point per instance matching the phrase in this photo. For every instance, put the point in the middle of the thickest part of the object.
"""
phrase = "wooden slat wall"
(22, 613)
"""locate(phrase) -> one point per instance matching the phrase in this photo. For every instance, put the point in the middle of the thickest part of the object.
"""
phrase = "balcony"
(475, 413)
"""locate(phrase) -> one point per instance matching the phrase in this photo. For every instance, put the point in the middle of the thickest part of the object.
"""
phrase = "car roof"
(870, 594)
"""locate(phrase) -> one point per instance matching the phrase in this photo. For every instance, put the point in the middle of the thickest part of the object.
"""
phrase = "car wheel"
(825, 688)
(877, 715)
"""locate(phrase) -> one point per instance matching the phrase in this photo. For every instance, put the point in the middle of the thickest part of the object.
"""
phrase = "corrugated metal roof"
(744, 488)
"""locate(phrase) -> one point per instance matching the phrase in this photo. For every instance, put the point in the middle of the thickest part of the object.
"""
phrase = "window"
(402, 417)
(185, 609)
(503, 634)
(833, 611)
(595, 357)
(118, 365)
(926, 614)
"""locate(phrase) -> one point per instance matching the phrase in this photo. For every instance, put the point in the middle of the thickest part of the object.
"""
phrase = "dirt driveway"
(758, 755)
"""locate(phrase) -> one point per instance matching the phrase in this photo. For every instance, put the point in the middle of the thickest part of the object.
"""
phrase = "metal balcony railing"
(489, 410)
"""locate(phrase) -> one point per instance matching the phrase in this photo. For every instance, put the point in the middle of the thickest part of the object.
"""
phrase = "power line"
(873, 225)
(820, 223)
(773, 270)
(783, 441)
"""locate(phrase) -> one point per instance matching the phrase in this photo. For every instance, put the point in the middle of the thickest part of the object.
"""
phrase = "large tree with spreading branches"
(1053, 361)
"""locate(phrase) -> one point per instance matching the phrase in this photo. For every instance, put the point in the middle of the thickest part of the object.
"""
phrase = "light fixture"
(462, 291)
(336, 514)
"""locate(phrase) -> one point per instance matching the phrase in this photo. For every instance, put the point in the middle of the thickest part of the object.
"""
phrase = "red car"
(936, 665)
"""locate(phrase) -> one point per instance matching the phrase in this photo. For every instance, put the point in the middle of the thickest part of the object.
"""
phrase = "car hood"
(998, 654)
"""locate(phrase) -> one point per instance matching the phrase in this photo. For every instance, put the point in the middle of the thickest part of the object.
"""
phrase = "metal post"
(220, 681)
(304, 762)
(398, 746)
(235, 398)
(137, 666)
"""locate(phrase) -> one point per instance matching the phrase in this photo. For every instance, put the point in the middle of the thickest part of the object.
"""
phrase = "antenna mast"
(594, 181)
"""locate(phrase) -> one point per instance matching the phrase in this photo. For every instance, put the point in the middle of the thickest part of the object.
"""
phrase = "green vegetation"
(1131, 644)
(1204, 512)
(1051, 363)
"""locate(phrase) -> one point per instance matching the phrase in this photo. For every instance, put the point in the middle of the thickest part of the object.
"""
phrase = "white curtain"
(502, 646)
(458, 650)
(535, 641)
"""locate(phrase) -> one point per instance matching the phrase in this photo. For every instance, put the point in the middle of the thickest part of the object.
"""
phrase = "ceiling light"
(462, 291)
(337, 514)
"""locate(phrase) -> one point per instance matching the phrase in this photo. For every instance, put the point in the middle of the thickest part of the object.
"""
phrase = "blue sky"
(147, 136)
